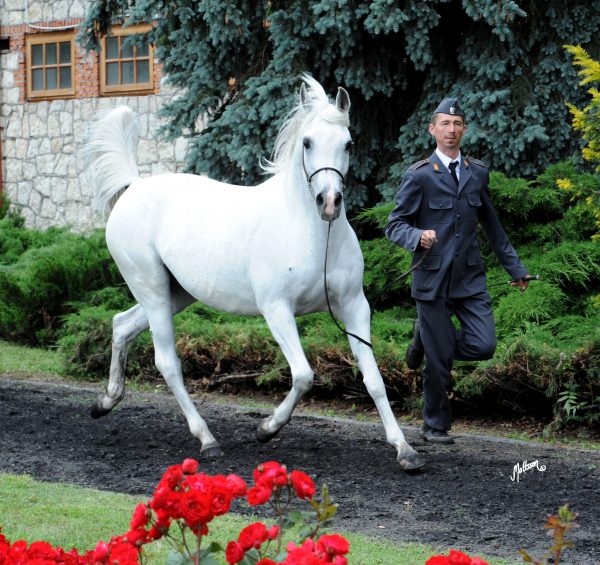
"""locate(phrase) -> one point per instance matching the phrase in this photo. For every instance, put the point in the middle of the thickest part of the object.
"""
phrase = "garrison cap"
(449, 106)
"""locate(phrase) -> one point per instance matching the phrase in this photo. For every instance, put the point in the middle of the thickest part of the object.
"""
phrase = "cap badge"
(452, 110)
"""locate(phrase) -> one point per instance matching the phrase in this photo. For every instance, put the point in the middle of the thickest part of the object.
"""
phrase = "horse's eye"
(349, 145)
(306, 143)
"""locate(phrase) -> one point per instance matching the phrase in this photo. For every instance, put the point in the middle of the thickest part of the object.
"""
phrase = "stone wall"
(42, 175)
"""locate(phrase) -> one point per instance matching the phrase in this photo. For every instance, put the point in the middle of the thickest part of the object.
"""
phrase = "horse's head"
(326, 144)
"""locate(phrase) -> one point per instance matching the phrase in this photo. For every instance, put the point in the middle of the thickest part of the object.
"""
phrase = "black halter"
(310, 177)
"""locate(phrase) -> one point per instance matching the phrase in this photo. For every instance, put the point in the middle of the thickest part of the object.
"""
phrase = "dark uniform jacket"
(429, 199)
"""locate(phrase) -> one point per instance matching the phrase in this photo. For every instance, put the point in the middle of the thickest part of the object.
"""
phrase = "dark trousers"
(475, 341)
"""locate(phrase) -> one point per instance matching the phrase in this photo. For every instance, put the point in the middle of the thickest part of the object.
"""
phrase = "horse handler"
(440, 202)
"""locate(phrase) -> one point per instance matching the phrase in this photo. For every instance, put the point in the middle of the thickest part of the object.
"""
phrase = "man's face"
(448, 131)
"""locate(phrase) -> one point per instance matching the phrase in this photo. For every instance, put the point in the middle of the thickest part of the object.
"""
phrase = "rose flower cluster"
(192, 499)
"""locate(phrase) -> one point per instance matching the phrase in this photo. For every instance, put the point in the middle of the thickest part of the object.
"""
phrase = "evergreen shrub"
(36, 289)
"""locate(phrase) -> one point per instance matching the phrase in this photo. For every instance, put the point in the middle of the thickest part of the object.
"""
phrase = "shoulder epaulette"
(476, 162)
(418, 164)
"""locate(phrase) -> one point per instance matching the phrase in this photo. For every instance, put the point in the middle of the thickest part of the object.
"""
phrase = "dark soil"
(464, 499)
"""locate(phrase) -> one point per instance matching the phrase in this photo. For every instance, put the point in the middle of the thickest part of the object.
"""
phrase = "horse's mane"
(316, 105)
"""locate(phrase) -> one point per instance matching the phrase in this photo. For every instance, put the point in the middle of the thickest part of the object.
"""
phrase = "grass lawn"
(19, 359)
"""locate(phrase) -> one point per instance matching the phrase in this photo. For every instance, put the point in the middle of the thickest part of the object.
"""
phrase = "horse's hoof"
(411, 463)
(211, 451)
(262, 434)
(97, 411)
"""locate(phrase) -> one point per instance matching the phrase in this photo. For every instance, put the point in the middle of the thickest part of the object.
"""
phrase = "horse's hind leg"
(126, 327)
(160, 296)
(282, 324)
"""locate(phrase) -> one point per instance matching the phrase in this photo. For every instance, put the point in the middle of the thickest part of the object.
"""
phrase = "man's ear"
(430, 129)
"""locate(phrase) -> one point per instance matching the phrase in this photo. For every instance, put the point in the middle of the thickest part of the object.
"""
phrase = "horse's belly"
(223, 286)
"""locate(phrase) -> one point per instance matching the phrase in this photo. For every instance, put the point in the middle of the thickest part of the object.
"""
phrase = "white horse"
(179, 238)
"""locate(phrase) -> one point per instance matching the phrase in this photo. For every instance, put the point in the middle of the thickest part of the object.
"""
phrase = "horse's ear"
(342, 100)
(303, 93)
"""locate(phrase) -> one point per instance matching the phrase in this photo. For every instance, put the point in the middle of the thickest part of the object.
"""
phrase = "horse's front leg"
(356, 315)
(282, 323)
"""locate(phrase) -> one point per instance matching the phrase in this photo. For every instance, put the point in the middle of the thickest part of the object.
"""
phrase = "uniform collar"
(447, 160)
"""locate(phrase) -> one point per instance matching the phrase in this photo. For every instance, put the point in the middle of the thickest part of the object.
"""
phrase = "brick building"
(50, 91)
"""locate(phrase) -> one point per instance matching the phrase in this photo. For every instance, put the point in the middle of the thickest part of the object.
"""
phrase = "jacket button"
(458, 216)
(457, 235)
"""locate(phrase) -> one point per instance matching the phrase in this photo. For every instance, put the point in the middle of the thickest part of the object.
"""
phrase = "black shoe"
(435, 436)
(415, 352)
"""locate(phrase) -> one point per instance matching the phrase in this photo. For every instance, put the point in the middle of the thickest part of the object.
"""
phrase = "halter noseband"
(310, 177)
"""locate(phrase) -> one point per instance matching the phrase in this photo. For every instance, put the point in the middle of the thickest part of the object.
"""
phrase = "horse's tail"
(108, 155)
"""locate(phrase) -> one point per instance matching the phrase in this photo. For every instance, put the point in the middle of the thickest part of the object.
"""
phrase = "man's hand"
(428, 238)
(521, 283)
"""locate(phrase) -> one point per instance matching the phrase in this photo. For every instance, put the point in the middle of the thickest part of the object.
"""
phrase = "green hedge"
(57, 288)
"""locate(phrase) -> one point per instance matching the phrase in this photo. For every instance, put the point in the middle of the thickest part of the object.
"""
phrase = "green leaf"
(176, 558)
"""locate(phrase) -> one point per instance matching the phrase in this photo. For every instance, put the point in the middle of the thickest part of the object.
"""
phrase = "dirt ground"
(464, 499)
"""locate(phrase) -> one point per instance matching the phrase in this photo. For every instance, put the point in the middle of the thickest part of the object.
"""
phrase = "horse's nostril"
(338, 199)
(319, 200)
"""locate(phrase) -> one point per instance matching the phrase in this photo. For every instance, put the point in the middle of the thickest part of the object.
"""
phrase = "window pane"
(37, 79)
(112, 73)
(143, 74)
(37, 55)
(65, 77)
(112, 47)
(143, 50)
(51, 79)
(51, 54)
(126, 49)
(127, 73)
(65, 52)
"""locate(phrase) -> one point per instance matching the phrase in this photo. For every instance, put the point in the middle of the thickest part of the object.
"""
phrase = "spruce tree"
(238, 63)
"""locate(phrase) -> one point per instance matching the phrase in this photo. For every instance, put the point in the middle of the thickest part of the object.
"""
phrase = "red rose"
(172, 476)
(237, 486)
(340, 560)
(139, 518)
(259, 494)
(189, 466)
(124, 554)
(438, 560)
(303, 484)
(271, 473)
(41, 550)
(273, 532)
(168, 501)
(155, 533)
(458, 558)
(220, 495)
(199, 482)
(266, 561)
(196, 508)
(303, 555)
(253, 535)
(333, 544)
(136, 537)
(234, 552)
(478, 561)
(101, 552)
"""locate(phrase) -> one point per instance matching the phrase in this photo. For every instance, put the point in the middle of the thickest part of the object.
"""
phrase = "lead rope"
(327, 297)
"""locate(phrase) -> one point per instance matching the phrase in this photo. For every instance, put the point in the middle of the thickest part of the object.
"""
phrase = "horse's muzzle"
(329, 204)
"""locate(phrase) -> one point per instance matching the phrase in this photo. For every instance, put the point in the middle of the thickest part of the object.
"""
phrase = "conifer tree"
(238, 63)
